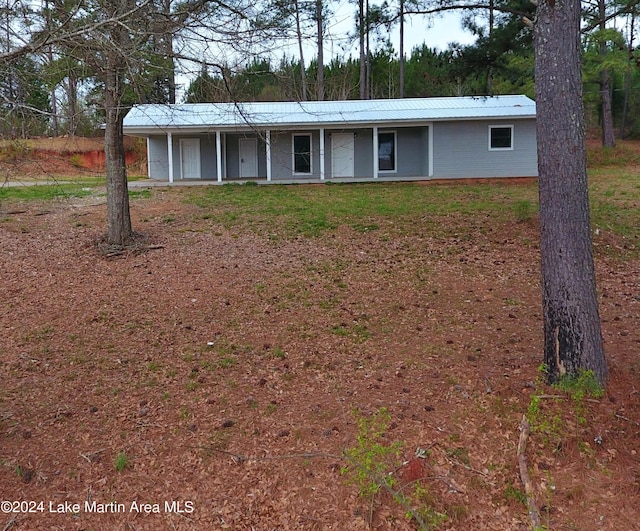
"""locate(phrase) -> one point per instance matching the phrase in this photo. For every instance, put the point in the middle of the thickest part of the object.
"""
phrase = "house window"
(387, 151)
(500, 137)
(302, 154)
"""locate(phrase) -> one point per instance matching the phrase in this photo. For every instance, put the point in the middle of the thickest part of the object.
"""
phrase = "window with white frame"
(387, 151)
(302, 153)
(500, 137)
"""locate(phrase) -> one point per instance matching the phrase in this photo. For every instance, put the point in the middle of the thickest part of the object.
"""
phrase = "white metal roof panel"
(210, 116)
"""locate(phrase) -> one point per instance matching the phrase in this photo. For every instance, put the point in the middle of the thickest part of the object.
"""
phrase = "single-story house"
(315, 141)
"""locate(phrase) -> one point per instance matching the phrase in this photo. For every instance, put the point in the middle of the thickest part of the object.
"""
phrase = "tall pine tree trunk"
(303, 72)
(572, 331)
(320, 27)
(608, 133)
(401, 53)
(119, 232)
(627, 76)
(361, 42)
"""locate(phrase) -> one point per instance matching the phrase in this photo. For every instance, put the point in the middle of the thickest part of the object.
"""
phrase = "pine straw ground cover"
(308, 358)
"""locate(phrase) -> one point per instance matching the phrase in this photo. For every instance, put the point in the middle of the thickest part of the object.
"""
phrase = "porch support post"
(268, 146)
(170, 155)
(219, 156)
(375, 152)
(322, 153)
(149, 157)
(430, 152)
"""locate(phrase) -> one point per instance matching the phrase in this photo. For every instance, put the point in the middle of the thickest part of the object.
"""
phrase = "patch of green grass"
(365, 227)
(46, 192)
(615, 205)
(622, 155)
(290, 211)
(227, 361)
(140, 194)
(340, 330)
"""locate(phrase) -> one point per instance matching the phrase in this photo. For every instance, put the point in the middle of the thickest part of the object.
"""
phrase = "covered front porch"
(293, 155)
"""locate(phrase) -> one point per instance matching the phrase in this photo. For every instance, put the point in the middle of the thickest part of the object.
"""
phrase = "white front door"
(190, 158)
(248, 157)
(342, 147)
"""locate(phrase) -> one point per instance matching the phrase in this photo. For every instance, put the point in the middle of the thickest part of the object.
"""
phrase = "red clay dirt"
(46, 158)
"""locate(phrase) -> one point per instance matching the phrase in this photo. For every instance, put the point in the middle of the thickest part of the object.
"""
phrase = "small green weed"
(523, 210)
(270, 408)
(227, 361)
(372, 459)
(550, 427)
(77, 160)
(585, 384)
(121, 462)
(578, 388)
(372, 463)
(515, 494)
(424, 513)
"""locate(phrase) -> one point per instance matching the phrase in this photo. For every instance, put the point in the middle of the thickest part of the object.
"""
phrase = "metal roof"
(148, 118)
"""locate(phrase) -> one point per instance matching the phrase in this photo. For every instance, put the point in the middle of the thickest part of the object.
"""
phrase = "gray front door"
(248, 157)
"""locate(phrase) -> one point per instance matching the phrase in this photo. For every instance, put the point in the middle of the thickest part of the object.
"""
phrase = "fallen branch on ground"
(524, 474)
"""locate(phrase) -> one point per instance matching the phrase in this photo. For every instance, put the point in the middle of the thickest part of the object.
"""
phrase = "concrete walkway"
(150, 183)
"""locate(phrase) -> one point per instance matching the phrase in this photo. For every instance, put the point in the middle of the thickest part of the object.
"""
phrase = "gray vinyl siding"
(232, 154)
(208, 164)
(461, 149)
(412, 149)
(282, 155)
(158, 158)
(363, 156)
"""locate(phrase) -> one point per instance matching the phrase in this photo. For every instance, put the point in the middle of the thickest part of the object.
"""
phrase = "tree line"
(58, 89)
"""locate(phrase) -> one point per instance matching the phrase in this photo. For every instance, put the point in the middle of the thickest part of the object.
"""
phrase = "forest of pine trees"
(52, 92)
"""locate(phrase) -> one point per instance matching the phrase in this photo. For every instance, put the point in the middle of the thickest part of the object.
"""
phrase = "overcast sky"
(340, 42)
(434, 32)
